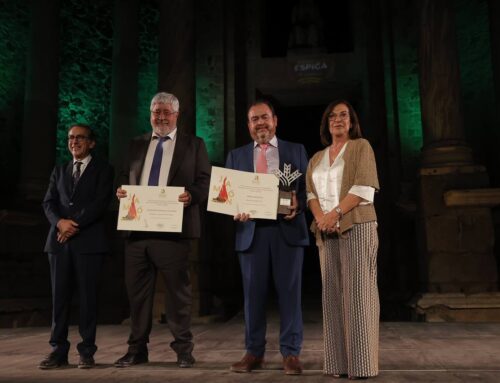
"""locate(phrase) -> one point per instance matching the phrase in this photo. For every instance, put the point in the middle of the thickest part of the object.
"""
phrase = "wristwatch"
(339, 212)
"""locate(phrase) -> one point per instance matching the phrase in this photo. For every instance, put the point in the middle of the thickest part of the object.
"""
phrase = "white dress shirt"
(166, 161)
(83, 166)
(328, 180)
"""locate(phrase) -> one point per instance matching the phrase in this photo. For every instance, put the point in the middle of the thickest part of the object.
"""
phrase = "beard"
(162, 129)
(263, 136)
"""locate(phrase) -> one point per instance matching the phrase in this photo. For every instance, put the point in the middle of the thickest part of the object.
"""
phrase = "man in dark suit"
(75, 204)
(268, 247)
(165, 156)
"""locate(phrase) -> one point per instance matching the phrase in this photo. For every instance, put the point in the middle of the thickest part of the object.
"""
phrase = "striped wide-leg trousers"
(350, 301)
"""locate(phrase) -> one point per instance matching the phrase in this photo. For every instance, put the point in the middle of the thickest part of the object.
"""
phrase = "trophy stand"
(286, 179)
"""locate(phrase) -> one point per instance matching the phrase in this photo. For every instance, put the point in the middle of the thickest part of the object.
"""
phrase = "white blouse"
(328, 180)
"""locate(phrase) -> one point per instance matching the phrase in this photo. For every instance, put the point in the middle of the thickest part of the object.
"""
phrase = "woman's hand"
(328, 222)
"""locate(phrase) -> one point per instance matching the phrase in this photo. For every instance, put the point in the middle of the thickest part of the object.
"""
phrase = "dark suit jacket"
(294, 232)
(190, 168)
(86, 204)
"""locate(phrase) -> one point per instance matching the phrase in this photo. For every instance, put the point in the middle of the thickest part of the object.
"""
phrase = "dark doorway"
(301, 124)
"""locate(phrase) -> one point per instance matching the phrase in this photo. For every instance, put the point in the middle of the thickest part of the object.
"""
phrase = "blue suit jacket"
(294, 231)
(86, 204)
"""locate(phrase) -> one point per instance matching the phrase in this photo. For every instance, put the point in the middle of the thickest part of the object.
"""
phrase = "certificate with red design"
(234, 191)
(151, 208)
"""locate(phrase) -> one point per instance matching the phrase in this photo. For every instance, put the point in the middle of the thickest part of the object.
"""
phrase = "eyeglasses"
(77, 138)
(340, 116)
(158, 113)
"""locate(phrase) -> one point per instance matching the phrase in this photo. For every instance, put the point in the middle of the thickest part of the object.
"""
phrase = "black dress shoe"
(52, 361)
(185, 360)
(86, 362)
(130, 359)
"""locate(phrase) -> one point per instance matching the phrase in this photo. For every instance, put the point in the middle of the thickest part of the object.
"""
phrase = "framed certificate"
(151, 208)
(234, 191)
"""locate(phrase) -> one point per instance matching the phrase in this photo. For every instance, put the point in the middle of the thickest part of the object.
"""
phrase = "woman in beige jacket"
(341, 183)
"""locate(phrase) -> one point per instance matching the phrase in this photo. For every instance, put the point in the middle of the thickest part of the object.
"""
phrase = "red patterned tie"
(261, 166)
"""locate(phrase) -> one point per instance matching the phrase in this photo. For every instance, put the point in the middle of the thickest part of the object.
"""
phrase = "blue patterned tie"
(154, 174)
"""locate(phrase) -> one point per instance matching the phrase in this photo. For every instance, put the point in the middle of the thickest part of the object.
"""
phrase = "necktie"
(261, 166)
(154, 174)
(77, 173)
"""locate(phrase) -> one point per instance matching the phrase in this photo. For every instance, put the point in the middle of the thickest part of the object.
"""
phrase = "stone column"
(390, 260)
(176, 74)
(124, 81)
(494, 13)
(444, 136)
(41, 100)
(456, 241)
(177, 57)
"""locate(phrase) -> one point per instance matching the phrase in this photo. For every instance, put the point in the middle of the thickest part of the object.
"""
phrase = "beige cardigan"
(359, 169)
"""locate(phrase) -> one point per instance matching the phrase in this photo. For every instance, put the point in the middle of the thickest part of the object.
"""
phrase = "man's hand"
(185, 198)
(242, 217)
(67, 229)
(121, 193)
(293, 207)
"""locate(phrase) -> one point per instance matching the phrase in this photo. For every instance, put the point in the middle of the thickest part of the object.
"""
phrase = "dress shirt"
(272, 155)
(166, 161)
(328, 180)
(83, 166)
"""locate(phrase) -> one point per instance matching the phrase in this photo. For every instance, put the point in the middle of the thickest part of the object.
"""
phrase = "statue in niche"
(306, 33)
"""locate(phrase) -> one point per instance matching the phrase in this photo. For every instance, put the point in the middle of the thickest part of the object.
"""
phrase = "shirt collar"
(273, 142)
(172, 135)
(85, 161)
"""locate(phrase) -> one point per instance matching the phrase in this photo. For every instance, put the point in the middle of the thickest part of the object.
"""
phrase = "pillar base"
(446, 155)
(456, 242)
(457, 307)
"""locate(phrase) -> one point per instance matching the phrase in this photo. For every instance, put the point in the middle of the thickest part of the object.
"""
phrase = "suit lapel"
(68, 178)
(89, 169)
(137, 165)
(248, 158)
(180, 148)
(283, 153)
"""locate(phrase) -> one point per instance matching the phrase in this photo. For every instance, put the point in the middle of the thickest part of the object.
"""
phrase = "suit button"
(71, 204)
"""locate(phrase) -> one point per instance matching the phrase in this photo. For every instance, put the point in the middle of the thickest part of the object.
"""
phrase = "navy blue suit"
(77, 261)
(268, 247)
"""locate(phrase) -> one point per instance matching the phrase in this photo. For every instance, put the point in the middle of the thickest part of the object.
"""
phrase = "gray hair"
(165, 98)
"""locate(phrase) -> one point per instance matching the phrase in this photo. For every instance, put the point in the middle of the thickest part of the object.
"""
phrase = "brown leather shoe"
(247, 363)
(291, 365)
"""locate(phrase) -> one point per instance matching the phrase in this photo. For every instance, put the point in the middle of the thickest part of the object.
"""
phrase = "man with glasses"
(165, 156)
(271, 249)
(75, 204)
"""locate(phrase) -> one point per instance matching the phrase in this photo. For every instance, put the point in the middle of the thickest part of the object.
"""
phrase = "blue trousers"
(269, 255)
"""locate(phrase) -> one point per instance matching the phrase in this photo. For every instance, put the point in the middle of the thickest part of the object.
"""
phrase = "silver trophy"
(285, 195)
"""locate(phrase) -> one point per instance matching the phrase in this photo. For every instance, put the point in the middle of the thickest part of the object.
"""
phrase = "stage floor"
(409, 352)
